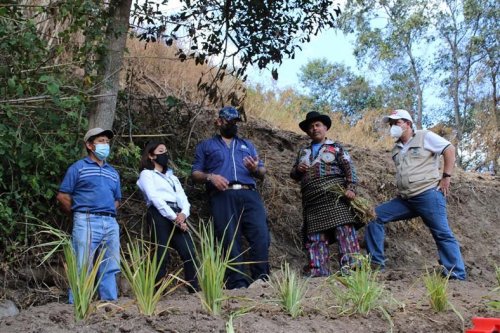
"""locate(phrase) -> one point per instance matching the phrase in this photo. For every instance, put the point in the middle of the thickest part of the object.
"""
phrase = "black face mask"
(162, 159)
(229, 130)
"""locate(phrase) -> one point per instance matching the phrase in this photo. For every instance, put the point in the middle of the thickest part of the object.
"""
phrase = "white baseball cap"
(398, 114)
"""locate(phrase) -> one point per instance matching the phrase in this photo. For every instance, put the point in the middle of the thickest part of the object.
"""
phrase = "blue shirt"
(315, 149)
(215, 156)
(93, 188)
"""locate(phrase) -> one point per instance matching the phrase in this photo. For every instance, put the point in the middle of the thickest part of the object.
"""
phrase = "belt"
(240, 187)
(174, 206)
(98, 213)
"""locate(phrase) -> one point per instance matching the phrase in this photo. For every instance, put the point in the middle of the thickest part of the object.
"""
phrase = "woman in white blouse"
(168, 209)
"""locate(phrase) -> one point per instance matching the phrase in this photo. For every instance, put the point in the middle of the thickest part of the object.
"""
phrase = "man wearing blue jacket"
(228, 165)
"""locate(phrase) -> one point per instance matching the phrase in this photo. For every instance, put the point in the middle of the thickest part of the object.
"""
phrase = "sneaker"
(377, 267)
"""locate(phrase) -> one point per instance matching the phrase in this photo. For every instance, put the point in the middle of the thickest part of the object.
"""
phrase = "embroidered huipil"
(330, 160)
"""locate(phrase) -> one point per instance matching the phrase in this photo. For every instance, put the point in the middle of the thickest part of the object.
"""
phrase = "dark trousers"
(237, 212)
(161, 229)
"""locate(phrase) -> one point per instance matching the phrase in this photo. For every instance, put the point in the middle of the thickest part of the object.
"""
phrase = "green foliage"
(211, 267)
(234, 315)
(42, 109)
(263, 33)
(37, 147)
(437, 290)
(82, 281)
(359, 290)
(338, 88)
(291, 289)
(393, 48)
(182, 168)
(494, 304)
(140, 266)
(126, 160)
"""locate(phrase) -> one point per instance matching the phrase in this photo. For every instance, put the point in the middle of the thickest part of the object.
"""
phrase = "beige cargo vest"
(417, 170)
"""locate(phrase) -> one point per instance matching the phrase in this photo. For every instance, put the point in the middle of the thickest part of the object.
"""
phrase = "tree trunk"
(102, 112)
(496, 113)
(420, 92)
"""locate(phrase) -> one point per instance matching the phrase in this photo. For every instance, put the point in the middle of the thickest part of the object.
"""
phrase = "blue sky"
(331, 44)
(336, 47)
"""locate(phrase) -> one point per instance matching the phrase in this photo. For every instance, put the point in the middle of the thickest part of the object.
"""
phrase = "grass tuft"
(291, 289)
(437, 290)
(233, 316)
(140, 268)
(359, 291)
(211, 268)
(83, 282)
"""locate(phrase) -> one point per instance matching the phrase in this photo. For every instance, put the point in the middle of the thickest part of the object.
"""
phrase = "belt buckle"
(237, 186)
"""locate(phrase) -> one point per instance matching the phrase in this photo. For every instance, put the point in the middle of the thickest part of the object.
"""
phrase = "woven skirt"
(323, 209)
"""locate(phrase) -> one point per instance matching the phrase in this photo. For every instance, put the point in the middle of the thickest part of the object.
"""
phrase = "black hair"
(91, 140)
(146, 162)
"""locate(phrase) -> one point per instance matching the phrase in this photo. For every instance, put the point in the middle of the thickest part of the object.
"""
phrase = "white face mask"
(396, 131)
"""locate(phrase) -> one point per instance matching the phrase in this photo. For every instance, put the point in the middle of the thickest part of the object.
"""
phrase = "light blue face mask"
(101, 151)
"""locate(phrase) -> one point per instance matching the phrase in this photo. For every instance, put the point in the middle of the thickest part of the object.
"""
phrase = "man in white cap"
(90, 191)
(422, 192)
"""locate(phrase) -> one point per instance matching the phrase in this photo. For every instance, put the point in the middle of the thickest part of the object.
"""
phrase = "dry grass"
(285, 109)
(154, 69)
(281, 108)
(361, 207)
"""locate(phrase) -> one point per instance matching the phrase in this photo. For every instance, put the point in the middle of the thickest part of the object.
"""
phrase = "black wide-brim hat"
(315, 116)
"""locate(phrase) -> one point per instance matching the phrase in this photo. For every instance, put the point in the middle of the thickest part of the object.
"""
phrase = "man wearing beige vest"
(422, 192)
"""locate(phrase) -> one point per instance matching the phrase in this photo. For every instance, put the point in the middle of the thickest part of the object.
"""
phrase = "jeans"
(238, 212)
(92, 233)
(431, 207)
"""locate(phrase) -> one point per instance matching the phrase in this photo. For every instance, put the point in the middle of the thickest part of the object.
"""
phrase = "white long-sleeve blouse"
(159, 188)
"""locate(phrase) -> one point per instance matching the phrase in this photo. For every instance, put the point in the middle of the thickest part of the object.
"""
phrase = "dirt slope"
(474, 214)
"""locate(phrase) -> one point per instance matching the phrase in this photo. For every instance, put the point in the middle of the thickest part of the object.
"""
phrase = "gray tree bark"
(102, 112)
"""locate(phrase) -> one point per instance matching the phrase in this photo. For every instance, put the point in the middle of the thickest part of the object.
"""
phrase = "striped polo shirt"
(93, 188)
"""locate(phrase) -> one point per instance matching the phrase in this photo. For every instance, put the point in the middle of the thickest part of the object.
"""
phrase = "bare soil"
(474, 215)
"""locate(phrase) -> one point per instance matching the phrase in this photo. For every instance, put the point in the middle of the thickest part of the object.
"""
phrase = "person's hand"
(251, 163)
(302, 167)
(180, 221)
(220, 182)
(350, 194)
(181, 218)
(444, 185)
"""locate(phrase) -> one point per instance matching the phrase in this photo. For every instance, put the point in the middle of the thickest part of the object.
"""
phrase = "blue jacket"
(214, 156)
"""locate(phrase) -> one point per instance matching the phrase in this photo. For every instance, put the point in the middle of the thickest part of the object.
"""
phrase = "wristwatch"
(445, 175)
(209, 178)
